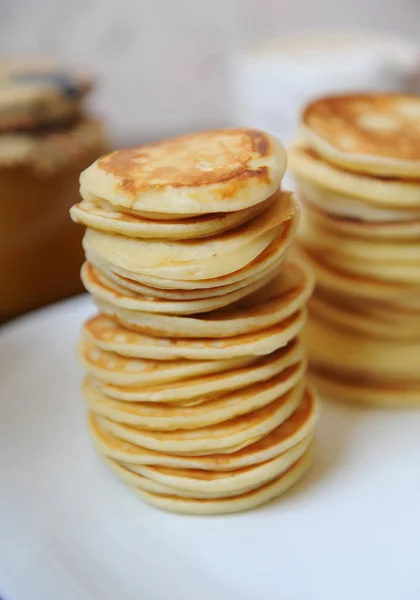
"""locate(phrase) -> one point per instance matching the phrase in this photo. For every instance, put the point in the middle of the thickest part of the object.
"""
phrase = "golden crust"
(385, 125)
(367, 133)
(203, 172)
(191, 161)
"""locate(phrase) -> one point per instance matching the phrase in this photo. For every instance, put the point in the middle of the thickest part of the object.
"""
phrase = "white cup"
(270, 84)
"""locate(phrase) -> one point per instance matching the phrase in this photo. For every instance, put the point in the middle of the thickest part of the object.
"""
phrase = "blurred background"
(163, 65)
(160, 68)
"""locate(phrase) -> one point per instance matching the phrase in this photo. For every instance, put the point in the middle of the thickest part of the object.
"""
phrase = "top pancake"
(377, 134)
(200, 173)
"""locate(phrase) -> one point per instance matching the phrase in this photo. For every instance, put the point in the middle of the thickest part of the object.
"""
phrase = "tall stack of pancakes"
(195, 374)
(357, 168)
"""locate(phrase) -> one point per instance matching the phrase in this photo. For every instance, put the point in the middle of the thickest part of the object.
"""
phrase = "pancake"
(189, 259)
(139, 288)
(108, 335)
(383, 192)
(187, 483)
(329, 242)
(389, 394)
(99, 214)
(405, 273)
(353, 285)
(200, 173)
(291, 432)
(243, 502)
(348, 352)
(397, 230)
(268, 259)
(167, 417)
(111, 368)
(224, 437)
(285, 295)
(377, 134)
(205, 387)
(388, 260)
(374, 320)
(356, 218)
(102, 288)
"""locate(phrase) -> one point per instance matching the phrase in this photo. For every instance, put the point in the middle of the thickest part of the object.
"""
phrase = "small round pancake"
(205, 387)
(114, 369)
(296, 428)
(383, 192)
(328, 242)
(151, 292)
(99, 214)
(405, 273)
(399, 230)
(187, 483)
(102, 288)
(190, 259)
(390, 394)
(168, 417)
(200, 173)
(377, 134)
(108, 335)
(349, 352)
(267, 260)
(366, 318)
(341, 210)
(246, 501)
(225, 437)
(347, 283)
(292, 431)
(277, 301)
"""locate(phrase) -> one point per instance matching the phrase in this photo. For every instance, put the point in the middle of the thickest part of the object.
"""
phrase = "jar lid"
(35, 93)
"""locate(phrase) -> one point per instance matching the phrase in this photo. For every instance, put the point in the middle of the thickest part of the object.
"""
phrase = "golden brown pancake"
(109, 335)
(368, 133)
(374, 319)
(199, 173)
(385, 192)
(161, 416)
(267, 260)
(349, 352)
(365, 390)
(342, 282)
(224, 438)
(292, 431)
(245, 501)
(275, 302)
(192, 483)
(407, 230)
(105, 289)
(189, 389)
(100, 214)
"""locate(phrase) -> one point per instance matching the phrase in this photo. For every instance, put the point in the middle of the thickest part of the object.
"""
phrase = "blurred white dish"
(69, 530)
(270, 83)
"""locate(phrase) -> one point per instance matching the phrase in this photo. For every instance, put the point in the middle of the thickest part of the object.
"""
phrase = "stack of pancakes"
(357, 168)
(196, 376)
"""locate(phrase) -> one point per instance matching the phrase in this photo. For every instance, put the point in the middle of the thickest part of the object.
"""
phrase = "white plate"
(69, 530)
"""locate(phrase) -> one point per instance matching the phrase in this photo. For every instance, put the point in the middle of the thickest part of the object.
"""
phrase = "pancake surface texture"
(199, 173)
(357, 169)
(195, 370)
(367, 133)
